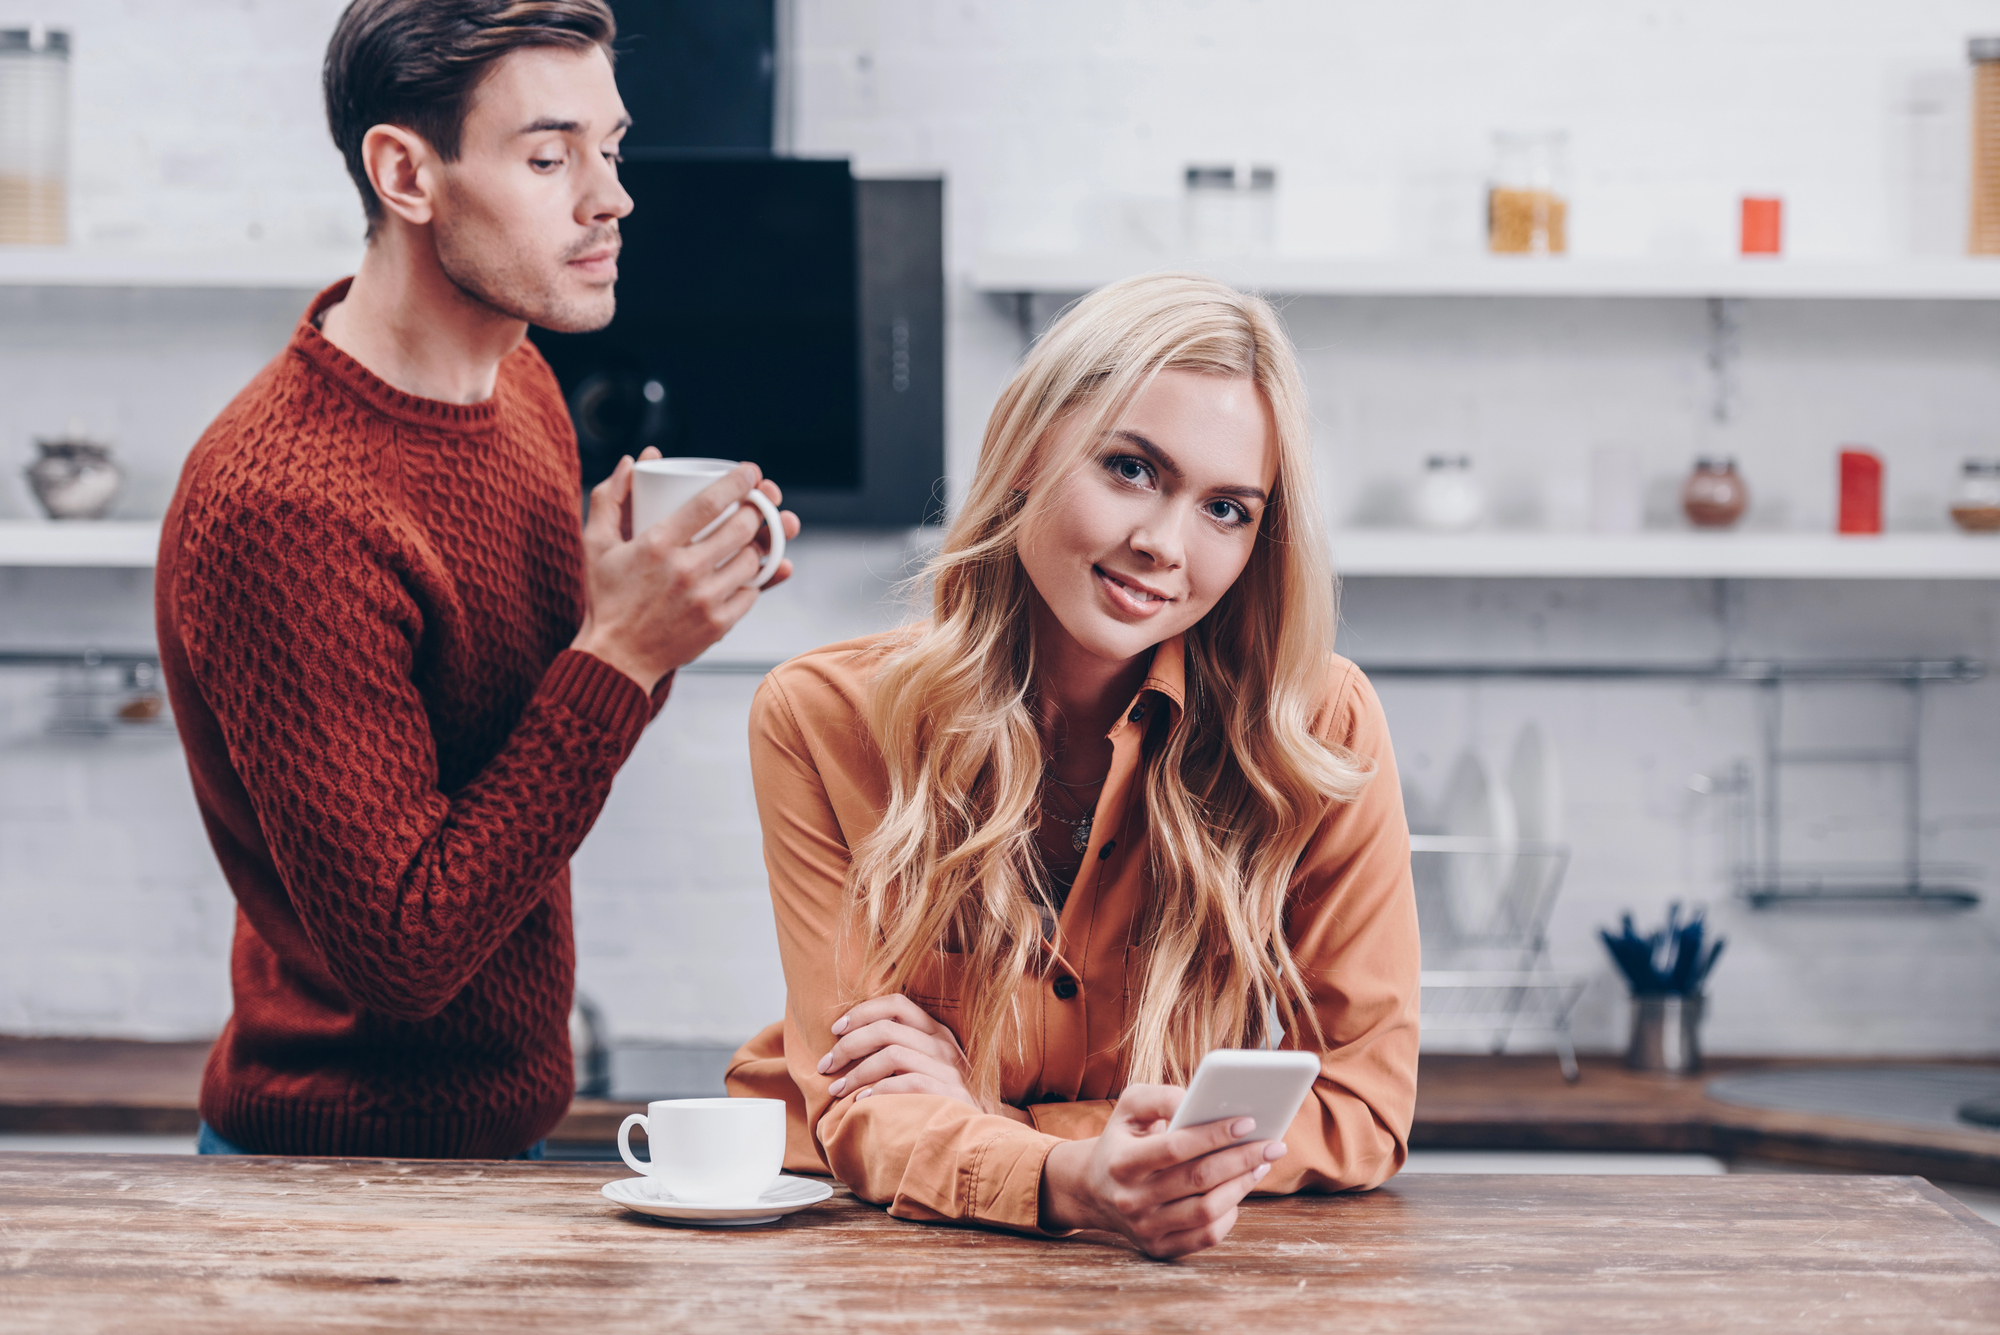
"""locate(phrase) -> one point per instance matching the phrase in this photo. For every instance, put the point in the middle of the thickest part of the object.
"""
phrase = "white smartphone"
(1248, 1082)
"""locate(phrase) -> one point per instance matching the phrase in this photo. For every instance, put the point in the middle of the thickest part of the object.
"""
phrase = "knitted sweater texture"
(363, 602)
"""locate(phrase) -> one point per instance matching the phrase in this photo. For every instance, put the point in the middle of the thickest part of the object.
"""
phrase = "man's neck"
(413, 327)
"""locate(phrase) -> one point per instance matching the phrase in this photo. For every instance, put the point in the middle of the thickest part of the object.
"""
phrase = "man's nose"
(606, 200)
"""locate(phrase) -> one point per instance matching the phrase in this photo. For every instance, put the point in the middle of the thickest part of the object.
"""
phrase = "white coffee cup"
(710, 1151)
(662, 486)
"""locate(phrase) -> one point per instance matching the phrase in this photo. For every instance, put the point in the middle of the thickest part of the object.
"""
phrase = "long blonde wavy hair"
(1232, 793)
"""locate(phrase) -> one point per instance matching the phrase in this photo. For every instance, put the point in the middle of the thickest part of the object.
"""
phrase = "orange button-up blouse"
(1352, 924)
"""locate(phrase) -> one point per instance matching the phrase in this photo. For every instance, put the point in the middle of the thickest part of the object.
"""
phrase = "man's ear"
(400, 167)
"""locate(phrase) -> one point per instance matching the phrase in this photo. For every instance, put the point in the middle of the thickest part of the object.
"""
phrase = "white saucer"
(780, 1198)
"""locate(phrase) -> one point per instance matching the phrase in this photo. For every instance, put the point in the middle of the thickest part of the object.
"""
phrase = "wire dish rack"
(1483, 908)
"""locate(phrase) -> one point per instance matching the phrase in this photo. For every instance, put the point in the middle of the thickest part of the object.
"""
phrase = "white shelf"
(1522, 276)
(247, 268)
(114, 543)
(1359, 552)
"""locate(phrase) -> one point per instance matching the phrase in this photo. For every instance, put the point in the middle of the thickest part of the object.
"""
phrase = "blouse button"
(1065, 988)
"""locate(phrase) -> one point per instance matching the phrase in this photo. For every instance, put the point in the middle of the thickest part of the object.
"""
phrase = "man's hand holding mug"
(705, 535)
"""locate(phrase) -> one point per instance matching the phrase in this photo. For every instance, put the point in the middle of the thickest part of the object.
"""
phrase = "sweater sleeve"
(304, 641)
(1352, 924)
(924, 1156)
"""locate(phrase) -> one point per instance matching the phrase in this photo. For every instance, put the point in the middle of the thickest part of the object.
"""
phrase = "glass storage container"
(1975, 502)
(1985, 232)
(34, 136)
(1527, 208)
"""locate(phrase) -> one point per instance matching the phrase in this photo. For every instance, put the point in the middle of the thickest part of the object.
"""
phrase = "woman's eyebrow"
(1167, 465)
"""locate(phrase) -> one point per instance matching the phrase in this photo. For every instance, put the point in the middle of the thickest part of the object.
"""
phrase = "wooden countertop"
(172, 1243)
(1463, 1102)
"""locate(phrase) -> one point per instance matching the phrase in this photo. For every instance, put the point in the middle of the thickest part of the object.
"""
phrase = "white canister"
(1448, 499)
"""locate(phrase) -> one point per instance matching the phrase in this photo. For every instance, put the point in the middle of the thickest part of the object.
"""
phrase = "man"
(404, 680)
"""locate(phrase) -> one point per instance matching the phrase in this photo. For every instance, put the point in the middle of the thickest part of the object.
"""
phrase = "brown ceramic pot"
(1714, 496)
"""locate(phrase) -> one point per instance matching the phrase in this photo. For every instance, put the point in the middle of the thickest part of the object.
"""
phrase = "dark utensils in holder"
(1665, 971)
(75, 478)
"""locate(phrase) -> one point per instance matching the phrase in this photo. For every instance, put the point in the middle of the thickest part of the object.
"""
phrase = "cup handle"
(625, 1142)
(777, 527)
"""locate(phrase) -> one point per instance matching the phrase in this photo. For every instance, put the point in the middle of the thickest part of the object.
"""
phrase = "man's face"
(527, 217)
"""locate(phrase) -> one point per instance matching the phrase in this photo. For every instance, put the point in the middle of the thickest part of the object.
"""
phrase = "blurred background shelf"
(1667, 555)
(1859, 280)
(250, 268)
(117, 543)
(104, 543)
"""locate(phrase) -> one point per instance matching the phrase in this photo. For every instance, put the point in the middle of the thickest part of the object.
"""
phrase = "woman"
(1115, 804)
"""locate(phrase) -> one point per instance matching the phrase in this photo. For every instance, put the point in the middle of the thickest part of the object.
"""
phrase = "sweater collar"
(312, 347)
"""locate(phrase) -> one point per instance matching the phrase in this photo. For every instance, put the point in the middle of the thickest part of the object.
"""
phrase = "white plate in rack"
(780, 1198)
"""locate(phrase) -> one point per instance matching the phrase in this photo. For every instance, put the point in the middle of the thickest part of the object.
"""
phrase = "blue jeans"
(208, 1142)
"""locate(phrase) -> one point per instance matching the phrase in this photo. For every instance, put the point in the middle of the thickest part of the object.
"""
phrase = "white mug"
(662, 486)
(710, 1151)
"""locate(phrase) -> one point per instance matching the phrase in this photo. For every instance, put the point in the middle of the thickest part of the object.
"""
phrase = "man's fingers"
(607, 502)
(770, 489)
(784, 573)
(732, 535)
(709, 502)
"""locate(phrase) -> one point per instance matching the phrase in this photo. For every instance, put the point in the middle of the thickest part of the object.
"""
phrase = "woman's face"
(1159, 519)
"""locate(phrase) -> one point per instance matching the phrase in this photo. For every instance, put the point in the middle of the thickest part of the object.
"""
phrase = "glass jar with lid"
(34, 136)
(1975, 502)
(1527, 205)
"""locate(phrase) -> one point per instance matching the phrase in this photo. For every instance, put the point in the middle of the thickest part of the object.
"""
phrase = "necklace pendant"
(1079, 835)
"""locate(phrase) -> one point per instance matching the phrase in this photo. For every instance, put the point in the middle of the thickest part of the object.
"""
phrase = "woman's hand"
(1170, 1192)
(891, 1045)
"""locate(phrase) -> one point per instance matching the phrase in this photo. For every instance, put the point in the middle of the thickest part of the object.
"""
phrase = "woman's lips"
(1129, 599)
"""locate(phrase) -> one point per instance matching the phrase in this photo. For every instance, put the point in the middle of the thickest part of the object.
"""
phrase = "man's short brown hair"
(417, 63)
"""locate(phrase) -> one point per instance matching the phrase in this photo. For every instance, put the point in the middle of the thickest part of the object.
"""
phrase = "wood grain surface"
(171, 1244)
(1463, 1102)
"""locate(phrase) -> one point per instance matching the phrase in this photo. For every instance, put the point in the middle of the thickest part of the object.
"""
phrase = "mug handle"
(777, 527)
(625, 1142)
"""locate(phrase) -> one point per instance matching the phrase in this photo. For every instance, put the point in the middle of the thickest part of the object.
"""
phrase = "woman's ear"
(401, 167)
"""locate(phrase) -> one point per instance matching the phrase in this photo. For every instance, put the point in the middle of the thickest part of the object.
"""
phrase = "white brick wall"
(1065, 125)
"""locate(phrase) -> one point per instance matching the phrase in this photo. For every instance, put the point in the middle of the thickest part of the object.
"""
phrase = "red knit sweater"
(363, 600)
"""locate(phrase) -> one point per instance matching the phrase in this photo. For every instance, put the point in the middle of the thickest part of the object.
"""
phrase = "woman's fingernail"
(837, 1086)
(1242, 1127)
(1263, 1171)
(824, 1062)
(1275, 1150)
(840, 1025)
(864, 1093)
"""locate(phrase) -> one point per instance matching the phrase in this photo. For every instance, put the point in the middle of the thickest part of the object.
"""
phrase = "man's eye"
(545, 164)
(614, 157)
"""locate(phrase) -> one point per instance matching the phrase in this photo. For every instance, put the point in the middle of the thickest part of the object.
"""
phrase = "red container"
(1763, 226)
(1860, 491)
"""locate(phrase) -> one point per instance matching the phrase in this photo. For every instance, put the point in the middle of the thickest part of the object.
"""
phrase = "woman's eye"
(1128, 469)
(1228, 512)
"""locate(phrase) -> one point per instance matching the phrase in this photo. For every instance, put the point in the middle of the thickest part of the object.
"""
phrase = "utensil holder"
(1666, 1034)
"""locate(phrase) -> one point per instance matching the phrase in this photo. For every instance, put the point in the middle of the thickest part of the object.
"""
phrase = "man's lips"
(600, 261)
(1130, 595)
